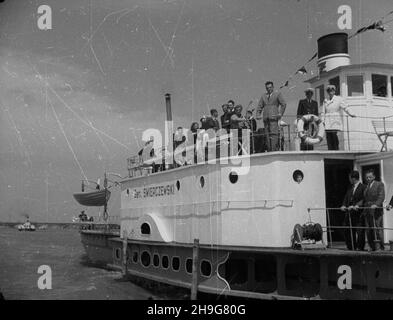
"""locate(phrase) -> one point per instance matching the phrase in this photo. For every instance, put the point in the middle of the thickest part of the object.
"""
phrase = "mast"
(168, 128)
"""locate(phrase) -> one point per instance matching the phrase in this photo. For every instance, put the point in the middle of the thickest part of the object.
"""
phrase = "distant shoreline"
(53, 225)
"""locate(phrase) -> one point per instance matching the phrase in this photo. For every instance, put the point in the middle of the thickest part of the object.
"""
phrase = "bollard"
(195, 263)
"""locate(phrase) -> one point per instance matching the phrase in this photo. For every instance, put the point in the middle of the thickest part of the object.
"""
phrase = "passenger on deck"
(332, 116)
(307, 106)
(238, 122)
(194, 131)
(212, 121)
(225, 118)
(237, 119)
(252, 125)
(273, 105)
(231, 106)
(82, 216)
(374, 196)
(353, 200)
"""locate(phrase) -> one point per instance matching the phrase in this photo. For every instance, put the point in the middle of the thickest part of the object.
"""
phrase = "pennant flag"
(313, 57)
(302, 70)
(146, 144)
(285, 85)
(375, 26)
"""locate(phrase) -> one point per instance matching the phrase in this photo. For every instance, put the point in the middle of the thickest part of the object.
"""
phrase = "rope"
(379, 23)
(68, 142)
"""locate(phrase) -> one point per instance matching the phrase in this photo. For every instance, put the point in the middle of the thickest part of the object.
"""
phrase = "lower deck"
(264, 273)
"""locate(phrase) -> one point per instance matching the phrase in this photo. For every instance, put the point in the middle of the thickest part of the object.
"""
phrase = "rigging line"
(84, 121)
(97, 134)
(99, 26)
(18, 134)
(166, 49)
(73, 111)
(174, 36)
(68, 142)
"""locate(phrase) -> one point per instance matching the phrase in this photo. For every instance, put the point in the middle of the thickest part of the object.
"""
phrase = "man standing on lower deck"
(374, 196)
(273, 105)
(354, 238)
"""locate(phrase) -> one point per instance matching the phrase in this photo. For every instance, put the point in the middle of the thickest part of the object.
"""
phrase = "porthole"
(202, 181)
(178, 185)
(145, 258)
(135, 257)
(206, 268)
(175, 263)
(233, 177)
(165, 262)
(156, 260)
(189, 265)
(145, 228)
(298, 176)
(118, 253)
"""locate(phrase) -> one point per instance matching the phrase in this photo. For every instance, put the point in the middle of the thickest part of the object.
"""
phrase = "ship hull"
(250, 272)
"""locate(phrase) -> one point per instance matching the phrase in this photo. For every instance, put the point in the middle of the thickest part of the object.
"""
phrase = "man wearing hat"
(307, 106)
(332, 115)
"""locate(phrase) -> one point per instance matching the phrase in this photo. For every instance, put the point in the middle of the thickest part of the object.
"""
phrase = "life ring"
(316, 130)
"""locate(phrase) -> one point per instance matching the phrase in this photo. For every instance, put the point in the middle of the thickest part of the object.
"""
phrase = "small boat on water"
(96, 198)
(27, 226)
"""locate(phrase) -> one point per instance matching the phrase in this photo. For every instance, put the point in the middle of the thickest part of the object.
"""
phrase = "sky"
(74, 100)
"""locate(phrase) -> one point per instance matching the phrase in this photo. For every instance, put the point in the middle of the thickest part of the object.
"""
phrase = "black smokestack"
(333, 51)
(168, 107)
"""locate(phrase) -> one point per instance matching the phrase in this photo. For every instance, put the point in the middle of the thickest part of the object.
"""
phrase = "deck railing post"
(125, 243)
(195, 263)
(349, 143)
(329, 230)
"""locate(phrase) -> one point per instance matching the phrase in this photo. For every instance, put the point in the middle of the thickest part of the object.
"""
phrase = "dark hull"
(262, 273)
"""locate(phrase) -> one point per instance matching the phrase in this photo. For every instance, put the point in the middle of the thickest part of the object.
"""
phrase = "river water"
(22, 253)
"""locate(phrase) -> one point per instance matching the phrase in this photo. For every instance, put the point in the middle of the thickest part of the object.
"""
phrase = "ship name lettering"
(156, 191)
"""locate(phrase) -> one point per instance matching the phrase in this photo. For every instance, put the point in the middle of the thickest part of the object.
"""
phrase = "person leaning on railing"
(331, 115)
(353, 200)
(374, 196)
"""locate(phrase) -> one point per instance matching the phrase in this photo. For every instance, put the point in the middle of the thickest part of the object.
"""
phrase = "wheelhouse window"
(355, 86)
(336, 82)
(380, 84)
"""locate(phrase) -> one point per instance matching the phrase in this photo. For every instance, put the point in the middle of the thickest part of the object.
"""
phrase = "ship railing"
(329, 228)
(288, 140)
(98, 223)
(224, 205)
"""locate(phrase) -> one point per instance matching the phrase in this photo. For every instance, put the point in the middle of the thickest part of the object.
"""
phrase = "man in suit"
(212, 121)
(374, 196)
(226, 118)
(353, 200)
(273, 105)
(307, 106)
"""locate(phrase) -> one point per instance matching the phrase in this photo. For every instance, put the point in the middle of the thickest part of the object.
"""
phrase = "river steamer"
(214, 228)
